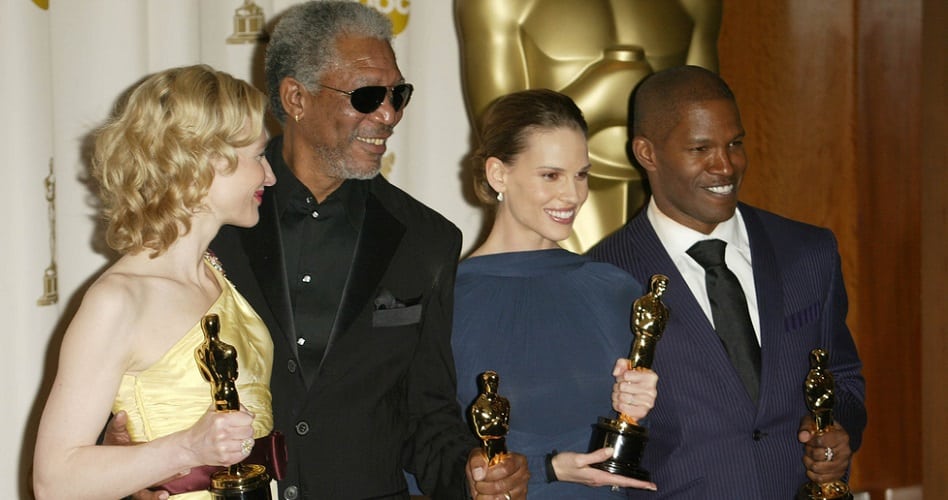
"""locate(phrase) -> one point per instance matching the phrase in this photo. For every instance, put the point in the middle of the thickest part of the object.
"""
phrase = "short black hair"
(655, 104)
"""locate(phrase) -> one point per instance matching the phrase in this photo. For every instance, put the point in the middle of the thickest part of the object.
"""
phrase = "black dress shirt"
(319, 241)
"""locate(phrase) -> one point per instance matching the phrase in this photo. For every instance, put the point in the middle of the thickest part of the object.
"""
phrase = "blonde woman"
(182, 156)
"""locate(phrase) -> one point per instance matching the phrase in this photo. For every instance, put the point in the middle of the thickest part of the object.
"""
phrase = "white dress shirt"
(677, 239)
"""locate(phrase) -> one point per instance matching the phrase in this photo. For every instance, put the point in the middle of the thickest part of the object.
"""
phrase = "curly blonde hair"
(154, 158)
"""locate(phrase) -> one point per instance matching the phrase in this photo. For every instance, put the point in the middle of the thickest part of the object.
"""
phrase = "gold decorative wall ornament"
(249, 23)
(50, 276)
(396, 10)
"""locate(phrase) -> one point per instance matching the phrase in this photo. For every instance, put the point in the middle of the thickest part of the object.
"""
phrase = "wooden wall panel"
(831, 93)
(934, 288)
(790, 64)
(797, 103)
(888, 162)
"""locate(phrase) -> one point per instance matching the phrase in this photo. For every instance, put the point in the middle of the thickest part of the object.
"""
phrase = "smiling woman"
(534, 161)
(181, 157)
(542, 191)
(520, 297)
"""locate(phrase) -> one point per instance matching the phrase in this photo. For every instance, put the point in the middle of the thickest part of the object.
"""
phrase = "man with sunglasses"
(354, 278)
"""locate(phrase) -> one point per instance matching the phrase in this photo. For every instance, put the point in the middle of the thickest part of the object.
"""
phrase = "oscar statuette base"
(627, 442)
(836, 490)
(241, 482)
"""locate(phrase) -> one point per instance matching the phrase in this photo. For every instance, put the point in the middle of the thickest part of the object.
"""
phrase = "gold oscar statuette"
(623, 434)
(490, 416)
(820, 393)
(217, 361)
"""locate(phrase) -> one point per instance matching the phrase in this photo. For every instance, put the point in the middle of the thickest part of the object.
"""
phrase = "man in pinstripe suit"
(711, 436)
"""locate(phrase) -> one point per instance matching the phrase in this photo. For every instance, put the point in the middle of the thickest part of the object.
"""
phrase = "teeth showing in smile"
(561, 214)
(373, 141)
(726, 189)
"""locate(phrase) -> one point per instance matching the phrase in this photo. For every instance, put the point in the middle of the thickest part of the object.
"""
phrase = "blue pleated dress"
(551, 323)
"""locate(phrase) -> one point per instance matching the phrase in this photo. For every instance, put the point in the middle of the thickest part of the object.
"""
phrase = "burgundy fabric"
(269, 451)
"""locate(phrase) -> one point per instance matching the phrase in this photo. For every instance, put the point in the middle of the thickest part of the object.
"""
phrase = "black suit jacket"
(383, 399)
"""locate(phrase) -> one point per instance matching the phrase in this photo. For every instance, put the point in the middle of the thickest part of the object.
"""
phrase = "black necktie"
(729, 310)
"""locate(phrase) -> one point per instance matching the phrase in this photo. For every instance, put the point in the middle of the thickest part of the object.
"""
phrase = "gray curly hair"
(303, 43)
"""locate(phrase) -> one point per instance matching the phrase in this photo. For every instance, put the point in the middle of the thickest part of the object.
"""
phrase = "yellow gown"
(171, 395)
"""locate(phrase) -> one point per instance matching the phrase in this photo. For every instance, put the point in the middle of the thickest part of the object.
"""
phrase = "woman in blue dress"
(553, 324)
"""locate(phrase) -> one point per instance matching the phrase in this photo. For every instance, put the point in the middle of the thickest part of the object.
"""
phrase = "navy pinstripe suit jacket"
(708, 440)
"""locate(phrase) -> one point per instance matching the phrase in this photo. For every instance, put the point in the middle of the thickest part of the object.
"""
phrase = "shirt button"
(291, 366)
(309, 200)
(291, 493)
(306, 278)
(758, 435)
(302, 428)
(315, 214)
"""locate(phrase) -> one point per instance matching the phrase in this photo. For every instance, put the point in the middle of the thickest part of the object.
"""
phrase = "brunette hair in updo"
(510, 120)
(154, 159)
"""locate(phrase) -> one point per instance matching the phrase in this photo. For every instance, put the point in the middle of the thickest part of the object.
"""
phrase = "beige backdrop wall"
(26, 142)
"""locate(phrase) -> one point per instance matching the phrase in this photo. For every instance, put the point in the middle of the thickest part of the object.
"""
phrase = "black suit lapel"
(264, 249)
(378, 240)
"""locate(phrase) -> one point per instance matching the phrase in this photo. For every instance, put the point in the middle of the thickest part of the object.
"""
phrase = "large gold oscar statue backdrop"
(594, 51)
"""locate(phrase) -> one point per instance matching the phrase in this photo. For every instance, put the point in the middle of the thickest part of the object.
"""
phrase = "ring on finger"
(507, 495)
(828, 454)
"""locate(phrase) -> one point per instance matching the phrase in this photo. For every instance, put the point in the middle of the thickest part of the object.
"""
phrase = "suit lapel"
(769, 290)
(378, 240)
(689, 320)
(650, 254)
(264, 249)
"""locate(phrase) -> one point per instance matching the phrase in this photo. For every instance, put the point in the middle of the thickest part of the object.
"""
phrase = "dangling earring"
(500, 196)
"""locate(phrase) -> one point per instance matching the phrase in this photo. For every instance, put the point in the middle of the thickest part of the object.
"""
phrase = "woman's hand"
(635, 390)
(220, 437)
(575, 468)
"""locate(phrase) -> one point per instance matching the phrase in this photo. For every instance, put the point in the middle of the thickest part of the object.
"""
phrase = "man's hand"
(505, 480)
(116, 434)
(826, 455)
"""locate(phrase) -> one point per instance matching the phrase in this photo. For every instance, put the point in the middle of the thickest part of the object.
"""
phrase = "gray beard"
(339, 168)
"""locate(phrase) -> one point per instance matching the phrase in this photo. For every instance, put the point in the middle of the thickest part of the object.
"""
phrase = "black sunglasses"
(368, 99)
